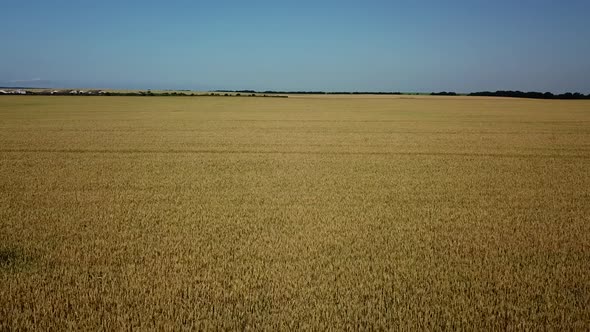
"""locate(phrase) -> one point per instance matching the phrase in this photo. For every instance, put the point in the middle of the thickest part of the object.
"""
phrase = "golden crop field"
(311, 213)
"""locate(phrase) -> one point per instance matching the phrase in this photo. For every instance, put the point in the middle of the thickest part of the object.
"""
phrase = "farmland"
(307, 212)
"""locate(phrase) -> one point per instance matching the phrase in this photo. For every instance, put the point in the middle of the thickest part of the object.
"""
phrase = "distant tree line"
(514, 94)
(535, 95)
(166, 93)
(365, 93)
(314, 92)
(282, 94)
(444, 93)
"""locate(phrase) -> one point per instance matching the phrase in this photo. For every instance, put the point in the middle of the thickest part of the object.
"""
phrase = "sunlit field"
(307, 212)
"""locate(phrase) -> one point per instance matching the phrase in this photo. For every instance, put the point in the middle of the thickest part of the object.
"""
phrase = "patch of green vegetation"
(13, 258)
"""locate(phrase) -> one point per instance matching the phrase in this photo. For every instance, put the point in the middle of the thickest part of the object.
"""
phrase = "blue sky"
(368, 45)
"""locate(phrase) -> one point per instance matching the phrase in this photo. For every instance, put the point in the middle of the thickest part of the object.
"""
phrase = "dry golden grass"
(340, 213)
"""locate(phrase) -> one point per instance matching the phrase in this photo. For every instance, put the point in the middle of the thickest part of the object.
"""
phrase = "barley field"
(300, 213)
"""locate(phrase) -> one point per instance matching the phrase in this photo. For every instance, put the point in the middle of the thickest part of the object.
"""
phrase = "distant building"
(2, 92)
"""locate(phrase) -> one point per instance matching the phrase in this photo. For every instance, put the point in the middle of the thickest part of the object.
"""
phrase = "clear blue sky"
(414, 45)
